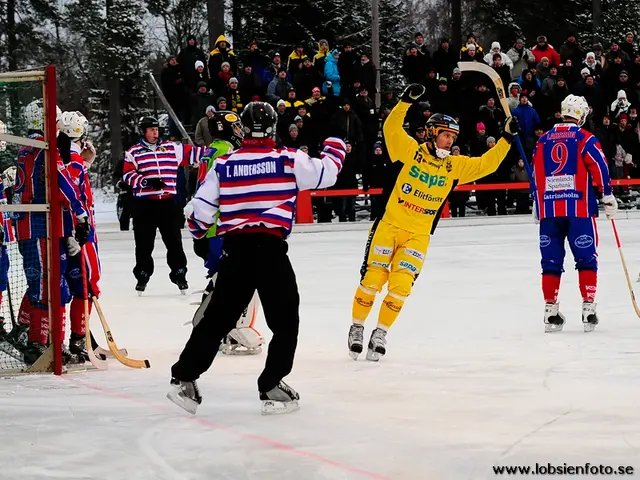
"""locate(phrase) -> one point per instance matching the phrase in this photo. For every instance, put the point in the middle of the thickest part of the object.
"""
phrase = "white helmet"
(73, 124)
(575, 107)
(3, 129)
(34, 115)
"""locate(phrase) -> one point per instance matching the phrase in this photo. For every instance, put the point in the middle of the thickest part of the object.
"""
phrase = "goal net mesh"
(25, 248)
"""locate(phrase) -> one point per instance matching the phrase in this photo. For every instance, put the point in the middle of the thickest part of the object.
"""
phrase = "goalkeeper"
(398, 241)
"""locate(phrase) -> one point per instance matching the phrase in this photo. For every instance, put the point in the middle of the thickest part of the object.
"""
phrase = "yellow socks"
(362, 303)
(390, 309)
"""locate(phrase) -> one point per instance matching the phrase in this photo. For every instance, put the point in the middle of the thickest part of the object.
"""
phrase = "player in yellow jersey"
(398, 241)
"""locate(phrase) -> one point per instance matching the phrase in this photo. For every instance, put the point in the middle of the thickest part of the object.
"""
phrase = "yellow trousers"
(394, 256)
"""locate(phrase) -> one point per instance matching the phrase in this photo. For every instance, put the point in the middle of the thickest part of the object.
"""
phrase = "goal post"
(31, 311)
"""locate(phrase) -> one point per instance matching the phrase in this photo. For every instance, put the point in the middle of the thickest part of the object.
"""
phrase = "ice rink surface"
(469, 380)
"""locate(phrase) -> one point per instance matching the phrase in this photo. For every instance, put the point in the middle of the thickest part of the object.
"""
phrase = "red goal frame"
(51, 360)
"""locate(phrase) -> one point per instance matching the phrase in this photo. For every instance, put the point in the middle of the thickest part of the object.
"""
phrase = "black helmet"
(439, 123)
(227, 126)
(147, 122)
(259, 120)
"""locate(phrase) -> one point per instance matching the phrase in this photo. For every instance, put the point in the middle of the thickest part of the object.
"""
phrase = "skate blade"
(183, 292)
(139, 293)
(271, 407)
(374, 356)
(354, 355)
(551, 328)
(589, 327)
(183, 402)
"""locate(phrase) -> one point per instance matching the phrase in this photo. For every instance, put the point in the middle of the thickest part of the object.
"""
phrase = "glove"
(610, 205)
(188, 210)
(82, 230)
(412, 93)
(88, 153)
(511, 128)
(73, 247)
(154, 183)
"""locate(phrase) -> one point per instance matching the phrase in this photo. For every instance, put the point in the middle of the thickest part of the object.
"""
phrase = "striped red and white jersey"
(30, 188)
(162, 160)
(568, 162)
(79, 176)
(257, 186)
(9, 233)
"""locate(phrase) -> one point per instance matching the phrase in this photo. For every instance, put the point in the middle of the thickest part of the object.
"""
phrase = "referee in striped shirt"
(151, 170)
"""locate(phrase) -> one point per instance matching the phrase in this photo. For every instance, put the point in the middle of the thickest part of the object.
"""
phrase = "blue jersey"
(567, 163)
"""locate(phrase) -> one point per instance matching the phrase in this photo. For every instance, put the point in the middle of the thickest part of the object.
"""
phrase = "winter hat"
(298, 119)
(456, 70)
(233, 80)
(471, 47)
(418, 34)
(220, 99)
(201, 84)
(480, 126)
(591, 55)
(622, 94)
(585, 71)
(377, 145)
(624, 72)
(210, 108)
(316, 89)
(544, 59)
(281, 102)
(323, 42)
(199, 64)
(495, 45)
(490, 139)
(225, 63)
(455, 148)
(442, 81)
(541, 38)
(292, 127)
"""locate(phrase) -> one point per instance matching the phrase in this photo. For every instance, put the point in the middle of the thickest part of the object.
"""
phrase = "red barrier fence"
(304, 210)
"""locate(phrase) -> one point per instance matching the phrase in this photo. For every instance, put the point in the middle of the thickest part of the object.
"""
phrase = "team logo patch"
(545, 241)
(407, 188)
(414, 253)
(383, 250)
(583, 241)
(408, 266)
(380, 264)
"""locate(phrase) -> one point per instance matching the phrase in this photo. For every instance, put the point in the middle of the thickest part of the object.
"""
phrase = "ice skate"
(78, 347)
(356, 333)
(589, 317)
(377, 344)
(280, 399)
(243, 341)
(3, 332)
(143, 280)
(33, 351)
(179, 277)
(553, 319)
(69, 358)
(185, 394)
(18, 336)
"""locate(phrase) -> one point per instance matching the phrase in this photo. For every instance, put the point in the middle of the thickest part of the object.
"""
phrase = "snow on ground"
(470, 379)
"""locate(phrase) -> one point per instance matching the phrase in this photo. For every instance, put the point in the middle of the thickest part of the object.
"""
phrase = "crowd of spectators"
(331, 91)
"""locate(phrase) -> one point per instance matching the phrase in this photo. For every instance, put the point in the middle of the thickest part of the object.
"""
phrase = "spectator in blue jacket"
(331, 73)
(527, 117)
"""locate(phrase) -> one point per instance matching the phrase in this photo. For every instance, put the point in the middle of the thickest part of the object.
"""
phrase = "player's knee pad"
(243, 341)
(401, 283)
(374, 279)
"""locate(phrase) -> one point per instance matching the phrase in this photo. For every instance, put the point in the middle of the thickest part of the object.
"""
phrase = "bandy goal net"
(31, 316)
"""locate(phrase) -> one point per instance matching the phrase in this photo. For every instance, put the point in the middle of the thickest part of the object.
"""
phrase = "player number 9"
(559, 155)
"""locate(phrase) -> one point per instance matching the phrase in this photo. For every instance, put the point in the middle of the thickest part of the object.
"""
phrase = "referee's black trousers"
(252, 261)
(149, 216)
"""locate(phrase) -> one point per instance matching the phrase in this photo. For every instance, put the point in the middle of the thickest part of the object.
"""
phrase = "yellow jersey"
(424, 182)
